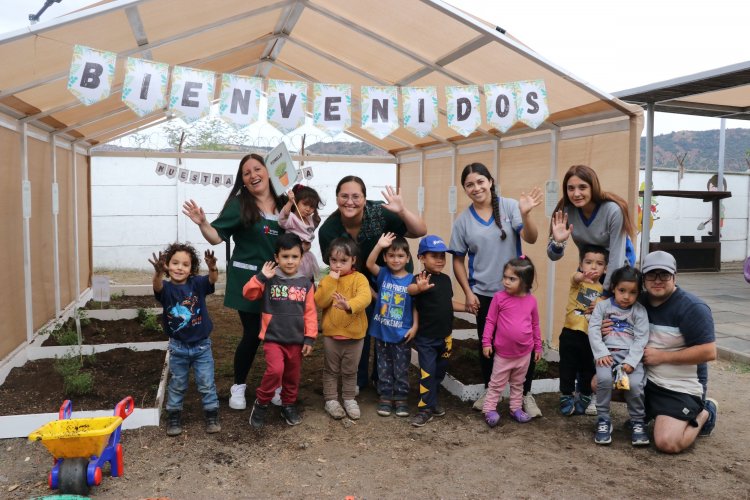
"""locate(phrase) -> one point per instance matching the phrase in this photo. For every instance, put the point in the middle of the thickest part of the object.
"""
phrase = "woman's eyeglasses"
(355, 198)
(662, 276)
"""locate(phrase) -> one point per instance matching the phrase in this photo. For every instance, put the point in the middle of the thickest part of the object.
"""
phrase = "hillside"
(699, 150)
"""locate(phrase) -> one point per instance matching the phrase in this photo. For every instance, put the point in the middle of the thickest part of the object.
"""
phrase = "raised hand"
(340, 302)
(158, 262)
(423, 281)
(529, 201)
(210, 259)
(194, 212)
(386, 239)
(561, 231)
(269, 269)
(290, 194)
(394, 203)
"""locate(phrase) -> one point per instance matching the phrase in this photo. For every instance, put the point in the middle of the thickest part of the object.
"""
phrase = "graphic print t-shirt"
(393, 308)
(185, 315)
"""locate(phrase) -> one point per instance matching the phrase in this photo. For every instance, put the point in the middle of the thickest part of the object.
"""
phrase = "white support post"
(420, 189)
(180, 187)
(26, 211)
(76, 250)
(453, 188)
(648, 179)
(550, 316)
(496, 161)
(55, 225)
(722, 148)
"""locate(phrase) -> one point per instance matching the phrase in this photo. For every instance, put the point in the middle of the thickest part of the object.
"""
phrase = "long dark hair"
(249, 211)
(588, 175)
(479, 168)
(309, 196)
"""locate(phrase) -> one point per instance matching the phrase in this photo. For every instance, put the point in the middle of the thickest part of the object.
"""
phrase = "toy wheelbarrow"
(81, 447)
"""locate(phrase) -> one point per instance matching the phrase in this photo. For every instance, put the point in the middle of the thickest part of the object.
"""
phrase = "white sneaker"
(334, 409)
(591, 408)
(277, 397)
(479, 403)
(530, 407)
(237, 397)
(352, 408)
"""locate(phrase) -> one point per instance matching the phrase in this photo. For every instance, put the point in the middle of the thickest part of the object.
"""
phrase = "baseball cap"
(659, 260)
(431, 243)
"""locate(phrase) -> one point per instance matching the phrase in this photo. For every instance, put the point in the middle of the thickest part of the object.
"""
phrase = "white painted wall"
(136, 212)
(680, 216)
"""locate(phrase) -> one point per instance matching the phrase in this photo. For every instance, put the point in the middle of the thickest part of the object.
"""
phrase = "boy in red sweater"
(289, 325)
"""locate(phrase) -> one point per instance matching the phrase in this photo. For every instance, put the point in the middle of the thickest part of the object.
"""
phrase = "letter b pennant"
(91, 74)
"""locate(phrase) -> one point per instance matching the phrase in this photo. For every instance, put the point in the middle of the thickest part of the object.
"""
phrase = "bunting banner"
(145, 87)
(379, 110)
(239, 102)
(192, 93)
(287, 102)
(91, 74)
(194, 177)
(420, 109)
(332, 107)
(462, 108)
(532, 105)
(501, 106)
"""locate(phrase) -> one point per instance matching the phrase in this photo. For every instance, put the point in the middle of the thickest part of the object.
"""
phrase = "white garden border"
(16, 426)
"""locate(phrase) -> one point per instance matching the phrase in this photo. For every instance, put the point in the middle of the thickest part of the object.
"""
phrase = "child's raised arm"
(159, 267)
(384, 242)
(421, 284)
(213, 271)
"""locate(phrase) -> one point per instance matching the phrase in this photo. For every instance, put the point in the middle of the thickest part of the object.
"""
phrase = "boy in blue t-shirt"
(188, 325)
(393, 323)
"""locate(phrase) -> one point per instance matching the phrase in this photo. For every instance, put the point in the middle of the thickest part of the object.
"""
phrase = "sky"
(612, 45)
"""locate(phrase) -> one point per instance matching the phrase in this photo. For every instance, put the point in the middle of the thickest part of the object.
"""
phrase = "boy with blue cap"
(433, 297)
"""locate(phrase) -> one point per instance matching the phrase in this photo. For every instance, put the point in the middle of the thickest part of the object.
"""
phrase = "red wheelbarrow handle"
(125, 407)
(66, 410)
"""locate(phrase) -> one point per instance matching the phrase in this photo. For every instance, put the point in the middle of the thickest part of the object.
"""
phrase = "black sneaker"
(421, 418)
(212, 421)
(603, 431)
(712, 407)
(638, 437)
(258, 415)
(174, 423)
(290, 414)
(438, 411)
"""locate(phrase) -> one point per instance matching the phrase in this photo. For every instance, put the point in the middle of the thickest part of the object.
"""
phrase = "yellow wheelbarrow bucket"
(76, 437)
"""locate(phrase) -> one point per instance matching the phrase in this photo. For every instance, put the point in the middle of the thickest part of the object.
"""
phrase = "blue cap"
(432, 243)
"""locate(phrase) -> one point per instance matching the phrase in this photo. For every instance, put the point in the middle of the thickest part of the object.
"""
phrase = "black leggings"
(248, 346)
(486, 363)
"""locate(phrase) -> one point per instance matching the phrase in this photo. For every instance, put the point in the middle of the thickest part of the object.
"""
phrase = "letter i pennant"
(91, 74)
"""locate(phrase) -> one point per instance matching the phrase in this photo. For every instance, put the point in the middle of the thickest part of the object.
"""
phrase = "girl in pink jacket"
(512, 332)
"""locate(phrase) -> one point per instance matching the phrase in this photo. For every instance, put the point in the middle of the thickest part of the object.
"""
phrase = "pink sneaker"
(492, 418)
(520, 416)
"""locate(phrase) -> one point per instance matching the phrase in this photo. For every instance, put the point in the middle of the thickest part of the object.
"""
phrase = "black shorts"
(679, 405)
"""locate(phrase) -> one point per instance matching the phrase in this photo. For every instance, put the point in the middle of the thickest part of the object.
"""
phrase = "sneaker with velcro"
(712, 407)
(603, 431)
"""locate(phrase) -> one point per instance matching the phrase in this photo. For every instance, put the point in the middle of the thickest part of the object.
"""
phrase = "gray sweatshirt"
(605, 228)
(629, 331)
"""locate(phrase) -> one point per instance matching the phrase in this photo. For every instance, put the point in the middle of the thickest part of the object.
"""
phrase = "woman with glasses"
(365, 221)
(592, 217)
(489, 233)
(250, 217)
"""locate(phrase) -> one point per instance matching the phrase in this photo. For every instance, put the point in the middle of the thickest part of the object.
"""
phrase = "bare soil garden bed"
(97, 331)
(37, 387)
(123, 302)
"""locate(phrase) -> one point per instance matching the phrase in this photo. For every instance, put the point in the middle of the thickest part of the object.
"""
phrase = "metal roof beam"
(287, 20)
(139, 31)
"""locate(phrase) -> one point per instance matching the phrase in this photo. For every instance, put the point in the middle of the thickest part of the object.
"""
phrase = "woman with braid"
(489, 232)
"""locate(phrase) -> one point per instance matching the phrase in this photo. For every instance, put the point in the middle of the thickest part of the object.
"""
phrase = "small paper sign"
(307, 173)
(281, 169)
(100, 288)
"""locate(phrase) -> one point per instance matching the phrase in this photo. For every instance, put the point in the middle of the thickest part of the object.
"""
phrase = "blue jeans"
(393, 369)
(181, 357)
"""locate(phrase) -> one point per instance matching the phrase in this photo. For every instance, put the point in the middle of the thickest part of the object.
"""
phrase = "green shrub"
(541, 367)
(83, 317)
(149, 320)
(75, 381)
(65, 335)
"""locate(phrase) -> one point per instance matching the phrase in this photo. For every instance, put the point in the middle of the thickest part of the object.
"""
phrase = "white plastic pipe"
(26, 211)
(554, 147)
(55, 226)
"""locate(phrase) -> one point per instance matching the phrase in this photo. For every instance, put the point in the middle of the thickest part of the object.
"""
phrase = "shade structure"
(399, 43)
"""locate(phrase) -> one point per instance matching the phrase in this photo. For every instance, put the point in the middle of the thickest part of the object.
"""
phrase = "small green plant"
(471, 355)
(541, 368)
(116, 295)
(149, 320)
(76, 382)
(83, 317)
(739, 367)
(65, 335)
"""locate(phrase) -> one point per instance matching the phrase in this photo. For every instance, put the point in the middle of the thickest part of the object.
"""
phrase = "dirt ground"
(455, 456)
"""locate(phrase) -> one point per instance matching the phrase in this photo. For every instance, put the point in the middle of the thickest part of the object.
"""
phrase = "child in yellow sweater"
(343, 296)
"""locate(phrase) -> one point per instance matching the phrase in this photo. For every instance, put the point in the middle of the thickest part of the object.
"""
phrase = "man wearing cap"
(681, 342)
